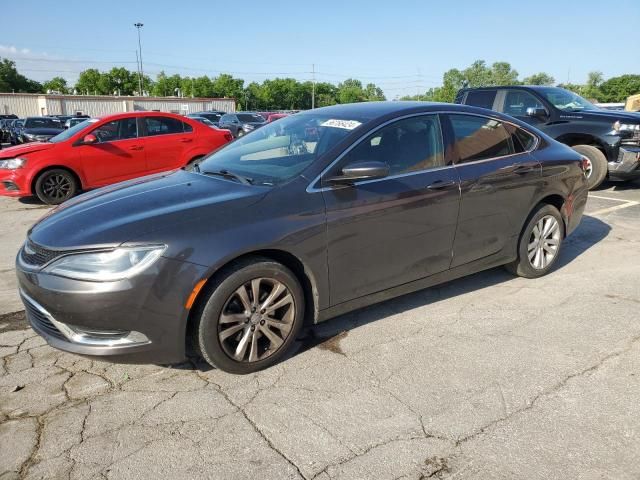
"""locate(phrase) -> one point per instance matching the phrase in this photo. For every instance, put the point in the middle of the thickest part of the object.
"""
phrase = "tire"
(55, 186)
(598, 171)
(246, 326)
(537, 261)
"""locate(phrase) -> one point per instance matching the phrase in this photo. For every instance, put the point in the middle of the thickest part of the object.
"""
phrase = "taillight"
(228, 137)
(586, 166)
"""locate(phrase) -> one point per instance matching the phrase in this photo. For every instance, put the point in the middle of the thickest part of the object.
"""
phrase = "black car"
(610, 140)
(241, 123)
(5, 129)
(212, 115)
(304, 219)
(15, 127)
(39, 129)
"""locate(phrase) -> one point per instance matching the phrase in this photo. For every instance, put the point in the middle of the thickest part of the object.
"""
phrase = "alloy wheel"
(544, 242)
(56, 187)
(256, 320)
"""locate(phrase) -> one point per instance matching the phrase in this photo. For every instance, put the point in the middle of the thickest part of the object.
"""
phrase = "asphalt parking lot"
(488, 377)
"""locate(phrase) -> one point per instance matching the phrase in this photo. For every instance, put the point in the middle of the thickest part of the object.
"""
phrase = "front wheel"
(251, 317)
(540, 243)
(55, 186)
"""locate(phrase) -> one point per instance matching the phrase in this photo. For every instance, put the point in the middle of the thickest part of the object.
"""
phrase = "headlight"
(621, 127)
(248, 127)
(13, 163)
(30, 136)
(118, 264)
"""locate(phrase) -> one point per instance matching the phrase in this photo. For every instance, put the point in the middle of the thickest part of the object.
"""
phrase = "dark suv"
(241, 123)
(609, 140)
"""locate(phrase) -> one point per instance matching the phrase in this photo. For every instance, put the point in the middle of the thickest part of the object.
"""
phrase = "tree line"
(479, 74)
(291, 94)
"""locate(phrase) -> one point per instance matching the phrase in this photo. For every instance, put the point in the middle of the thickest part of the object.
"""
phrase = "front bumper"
(627, 165)
(14, 183)
(149, 309)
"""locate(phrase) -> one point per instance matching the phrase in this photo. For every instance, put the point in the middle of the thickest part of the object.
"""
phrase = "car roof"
(116, 116)
(521, 87)
(371, 110)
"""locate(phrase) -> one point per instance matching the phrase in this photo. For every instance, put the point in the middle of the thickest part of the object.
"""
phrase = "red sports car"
(106, 150)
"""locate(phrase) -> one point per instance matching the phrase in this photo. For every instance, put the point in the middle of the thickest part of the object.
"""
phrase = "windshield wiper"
(228, 174)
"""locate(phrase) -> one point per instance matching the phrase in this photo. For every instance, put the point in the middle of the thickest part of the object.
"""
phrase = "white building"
(34, 104)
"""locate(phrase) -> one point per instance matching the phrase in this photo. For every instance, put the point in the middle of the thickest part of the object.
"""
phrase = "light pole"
(139, 26)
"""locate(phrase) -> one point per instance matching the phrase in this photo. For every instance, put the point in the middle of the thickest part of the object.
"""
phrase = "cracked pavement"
(489, 377)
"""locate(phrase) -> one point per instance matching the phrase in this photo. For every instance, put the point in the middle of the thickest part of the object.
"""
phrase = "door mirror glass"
(361, 171)
(89, 139)
(536, 112)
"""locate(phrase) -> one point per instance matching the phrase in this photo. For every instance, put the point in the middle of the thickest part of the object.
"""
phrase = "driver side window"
(123, 129)
(408, 145)
(516, 102)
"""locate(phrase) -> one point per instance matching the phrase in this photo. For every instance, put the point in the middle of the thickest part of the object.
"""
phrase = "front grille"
(37, 256)
(39, 320)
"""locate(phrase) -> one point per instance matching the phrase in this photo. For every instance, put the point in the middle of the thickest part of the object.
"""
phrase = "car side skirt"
(506, 255)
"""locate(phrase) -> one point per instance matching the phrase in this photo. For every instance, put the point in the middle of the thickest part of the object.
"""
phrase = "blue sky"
(403, 46)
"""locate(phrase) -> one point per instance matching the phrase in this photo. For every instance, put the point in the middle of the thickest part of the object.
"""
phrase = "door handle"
(441, 184)
(136, 147)
(518, 169)
(186, 140)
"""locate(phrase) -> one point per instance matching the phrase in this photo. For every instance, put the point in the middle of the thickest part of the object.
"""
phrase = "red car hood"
(23, 149)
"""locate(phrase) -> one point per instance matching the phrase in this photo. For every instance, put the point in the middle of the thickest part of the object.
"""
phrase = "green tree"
(90, 82)
(592, 88)
(56, 84)
(541, 78)
(165, 86)
(617, 89)
(373, 93)
(502, 74)
(12, 81)
(226, 86)
(350, 91)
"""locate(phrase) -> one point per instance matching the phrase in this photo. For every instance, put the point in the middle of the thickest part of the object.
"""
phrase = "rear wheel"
(540, 243)
(251, 316)
(596, 169)
(55, 186)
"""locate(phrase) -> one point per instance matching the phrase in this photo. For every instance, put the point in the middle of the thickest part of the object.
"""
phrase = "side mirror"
(536, 112)
(361, 171)
(89, 139)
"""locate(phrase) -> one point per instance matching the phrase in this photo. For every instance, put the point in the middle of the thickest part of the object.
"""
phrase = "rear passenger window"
(406, 146)
(479, 138)
(481, 98)
(525, 139)
(162, 125)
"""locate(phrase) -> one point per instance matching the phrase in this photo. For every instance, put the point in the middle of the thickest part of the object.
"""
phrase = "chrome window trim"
(137, 137)
(311, 189)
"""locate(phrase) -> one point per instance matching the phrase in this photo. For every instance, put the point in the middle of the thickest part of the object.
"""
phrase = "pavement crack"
(555, 388)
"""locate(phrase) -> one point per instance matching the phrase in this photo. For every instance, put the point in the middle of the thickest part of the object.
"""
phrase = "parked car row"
(301, 220)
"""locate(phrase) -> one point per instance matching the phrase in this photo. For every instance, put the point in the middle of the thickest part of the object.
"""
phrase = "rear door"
(117, 156)
(165, 141)
(498, 181)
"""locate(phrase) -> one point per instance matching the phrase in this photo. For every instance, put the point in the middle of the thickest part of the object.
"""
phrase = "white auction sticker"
(346, 124)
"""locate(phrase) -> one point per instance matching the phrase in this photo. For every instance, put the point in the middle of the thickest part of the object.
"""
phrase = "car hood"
(603, 114)
(25, 148)
(122, 212)
(42, 131)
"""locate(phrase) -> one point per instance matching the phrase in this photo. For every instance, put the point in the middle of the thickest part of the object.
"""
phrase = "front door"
(118, 155)
(386, 232)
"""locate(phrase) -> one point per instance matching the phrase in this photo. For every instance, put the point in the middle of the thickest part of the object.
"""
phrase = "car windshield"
(567, 101)
(70, 132)
(280, 151)
(250, 117)
(42, 123)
